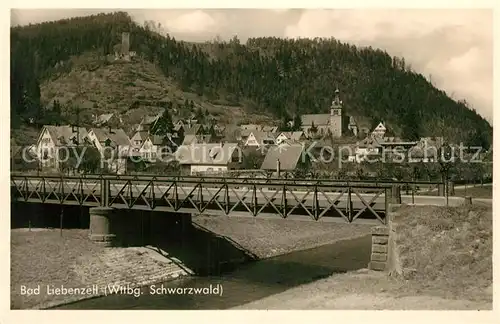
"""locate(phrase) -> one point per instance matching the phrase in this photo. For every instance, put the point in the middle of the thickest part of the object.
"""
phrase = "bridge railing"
(218, 179)
(313, 199)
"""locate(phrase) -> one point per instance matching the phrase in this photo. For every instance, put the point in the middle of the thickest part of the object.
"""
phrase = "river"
(247, 283)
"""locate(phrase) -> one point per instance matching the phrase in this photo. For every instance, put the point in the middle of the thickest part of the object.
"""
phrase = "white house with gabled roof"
(379, 130)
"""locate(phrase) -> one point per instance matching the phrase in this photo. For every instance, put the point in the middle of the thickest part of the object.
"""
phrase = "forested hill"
(284, 77)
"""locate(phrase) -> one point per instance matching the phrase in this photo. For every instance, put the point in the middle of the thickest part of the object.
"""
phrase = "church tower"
(336, 116)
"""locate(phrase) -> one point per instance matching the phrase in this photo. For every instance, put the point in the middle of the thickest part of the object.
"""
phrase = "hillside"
(131, 89)
(270, 76)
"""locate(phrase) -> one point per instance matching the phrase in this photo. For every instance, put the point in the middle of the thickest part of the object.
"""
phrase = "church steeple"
(336, 107)
(336, 115)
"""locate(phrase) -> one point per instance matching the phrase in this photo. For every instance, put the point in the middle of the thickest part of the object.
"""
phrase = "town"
(205, 148)
(332, 144)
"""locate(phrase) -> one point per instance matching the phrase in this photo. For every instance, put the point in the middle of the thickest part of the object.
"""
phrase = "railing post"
(62, 190)
(284, 201)
(176, 196)
(227, 197)
(104, 192)
(254, 199)
(388, 195)
(153, 200)
(315, 203)
(413, 194)
(200, 195)
(349, 204)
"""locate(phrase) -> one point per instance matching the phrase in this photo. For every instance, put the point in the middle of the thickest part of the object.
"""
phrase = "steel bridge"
(317, 200)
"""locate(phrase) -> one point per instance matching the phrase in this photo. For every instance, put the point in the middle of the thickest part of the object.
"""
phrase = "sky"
(453, 48)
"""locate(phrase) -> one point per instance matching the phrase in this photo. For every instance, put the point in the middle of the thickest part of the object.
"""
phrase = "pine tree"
(164, 125)
(297, 123)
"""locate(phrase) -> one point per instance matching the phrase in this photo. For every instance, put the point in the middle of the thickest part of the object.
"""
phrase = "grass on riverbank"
(43, 257)
(448, 251)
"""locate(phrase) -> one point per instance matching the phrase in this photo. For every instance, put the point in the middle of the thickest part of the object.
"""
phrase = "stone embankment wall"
(385, 256)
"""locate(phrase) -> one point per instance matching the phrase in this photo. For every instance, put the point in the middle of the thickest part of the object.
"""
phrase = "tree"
(199, 115)
(297, 123)
(284, 126)
(313, 128)
(164, 125)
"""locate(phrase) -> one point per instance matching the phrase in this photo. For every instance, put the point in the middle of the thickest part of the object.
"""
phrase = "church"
(335, 123)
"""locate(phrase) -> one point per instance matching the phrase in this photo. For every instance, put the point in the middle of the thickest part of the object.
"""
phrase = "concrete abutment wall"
(126, 227)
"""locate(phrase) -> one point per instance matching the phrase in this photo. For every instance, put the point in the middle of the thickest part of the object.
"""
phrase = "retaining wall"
(384, 256)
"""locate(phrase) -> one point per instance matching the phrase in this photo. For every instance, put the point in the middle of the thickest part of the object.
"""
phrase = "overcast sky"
(454, 47)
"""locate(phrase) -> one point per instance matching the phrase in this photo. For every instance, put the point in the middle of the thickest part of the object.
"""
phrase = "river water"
(248, 282)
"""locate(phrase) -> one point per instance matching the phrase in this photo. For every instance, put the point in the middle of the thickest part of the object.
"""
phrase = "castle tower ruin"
(125, 44)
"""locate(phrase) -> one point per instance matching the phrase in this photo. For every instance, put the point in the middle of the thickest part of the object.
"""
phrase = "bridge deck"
(312, 199)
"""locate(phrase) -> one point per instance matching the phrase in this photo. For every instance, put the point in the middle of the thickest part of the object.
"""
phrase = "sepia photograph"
(251, 159)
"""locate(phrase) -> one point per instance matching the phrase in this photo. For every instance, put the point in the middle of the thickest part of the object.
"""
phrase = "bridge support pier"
(102, 227)
(395, 194)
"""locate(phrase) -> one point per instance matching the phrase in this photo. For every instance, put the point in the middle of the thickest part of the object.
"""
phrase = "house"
(270, 129)
(112, 120)
(193, 129)
(148, 122)
(284, 159)
(110, 137)
(52, 138)
(366, 149)
(209, 158)
(242, 134)
(138, 139)
(114, 141)
(353, 126)
(219, 129)
(426, 150)
(157, 147)
(258, 138)
(379, 130)
(251, 127)
(196, 139)
(23, 158)
(377, 146)
(360, 126)
(396, 147)
(297, 136)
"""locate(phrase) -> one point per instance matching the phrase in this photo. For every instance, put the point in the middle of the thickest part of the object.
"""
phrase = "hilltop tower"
(125, 44)
(336, 115)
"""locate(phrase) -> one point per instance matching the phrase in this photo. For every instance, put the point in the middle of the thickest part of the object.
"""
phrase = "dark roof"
(317, 119)
(193, 130)
(140, 136)
(213, 154)
(117, 136)
(63, 135)
(288, 155)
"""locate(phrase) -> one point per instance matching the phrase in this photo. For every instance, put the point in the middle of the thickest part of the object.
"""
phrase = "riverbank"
(446, 258)
(43, 257)
(364, 290)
